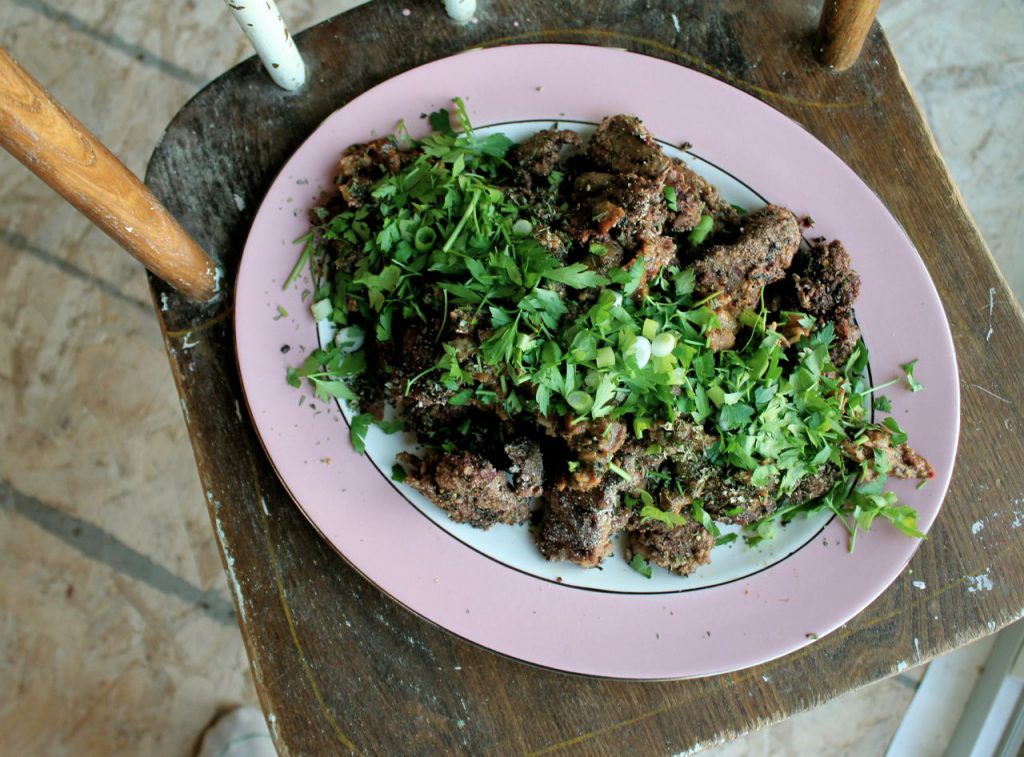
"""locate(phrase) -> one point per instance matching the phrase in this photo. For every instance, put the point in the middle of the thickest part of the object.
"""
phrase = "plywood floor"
(116, 631)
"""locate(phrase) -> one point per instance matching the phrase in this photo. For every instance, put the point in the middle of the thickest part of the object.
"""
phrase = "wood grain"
(842, 29)
(52, 144)
(340, 667)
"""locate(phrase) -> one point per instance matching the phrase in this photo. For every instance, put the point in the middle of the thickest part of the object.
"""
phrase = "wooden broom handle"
(51, 142)
(842, 30)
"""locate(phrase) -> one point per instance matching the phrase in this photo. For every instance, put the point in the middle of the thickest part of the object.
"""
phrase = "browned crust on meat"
(695, 197)
(363, 164)
(904, 460)
(768, 240)
(622, 144)
(826, 287)
(723, 492)
(539, 154)
(527, 469)
(466, 486)
(579, 526)
(680, 549)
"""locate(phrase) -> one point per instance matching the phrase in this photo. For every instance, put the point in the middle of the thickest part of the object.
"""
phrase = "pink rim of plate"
(696, 633)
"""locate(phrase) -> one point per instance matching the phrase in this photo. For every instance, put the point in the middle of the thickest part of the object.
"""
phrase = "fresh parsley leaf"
(391, 427)
(700, 232)
(441, 122)
(397, 473)
(336, 389)
(883, 404)
(896, 433)
(357, 431)
(701, 516)
(577, 276)
(639, 564)
(908, 371)
(650, 512)
(630, 278)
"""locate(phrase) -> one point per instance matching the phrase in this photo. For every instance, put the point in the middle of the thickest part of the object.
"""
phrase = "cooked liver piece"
(539, 154)
(768, 240)
(363, 164)
(467, 487)
(826, 287)
(724, 492)
(695, 198)
(527, 467)
(622, 145)
(679, 548)
(578, 525)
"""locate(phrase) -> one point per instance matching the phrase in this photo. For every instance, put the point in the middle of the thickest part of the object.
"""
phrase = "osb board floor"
(116, 631)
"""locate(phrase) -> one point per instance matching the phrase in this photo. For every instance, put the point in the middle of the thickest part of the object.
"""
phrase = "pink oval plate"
(711, 629)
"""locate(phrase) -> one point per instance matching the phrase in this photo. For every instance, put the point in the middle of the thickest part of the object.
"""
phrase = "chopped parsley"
(357, 431)
(670, 198)
(639, 564)
(700, 232)
(908, 371)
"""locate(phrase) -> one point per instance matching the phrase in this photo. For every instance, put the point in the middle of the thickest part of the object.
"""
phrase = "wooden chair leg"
(55, 146)
(460, 11)
(841, 32)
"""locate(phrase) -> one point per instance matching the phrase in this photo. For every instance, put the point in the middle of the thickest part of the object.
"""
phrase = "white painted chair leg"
(263, 25)
(460, 10)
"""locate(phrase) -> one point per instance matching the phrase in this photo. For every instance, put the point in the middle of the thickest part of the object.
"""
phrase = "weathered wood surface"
(339, 666)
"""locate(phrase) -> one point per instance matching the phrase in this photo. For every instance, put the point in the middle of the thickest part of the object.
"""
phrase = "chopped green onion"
(605, 357)
(322, 309)
(641, 351)
(424, 238)
(580, 401)
(670, 198)
(663, 344)
(650, 329)
(349, 339)
(522, 227)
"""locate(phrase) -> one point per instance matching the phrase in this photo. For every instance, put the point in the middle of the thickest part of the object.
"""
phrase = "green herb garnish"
(670, 198)
(357, 431)
(908, 371)
(639, 564)
(700, 232)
